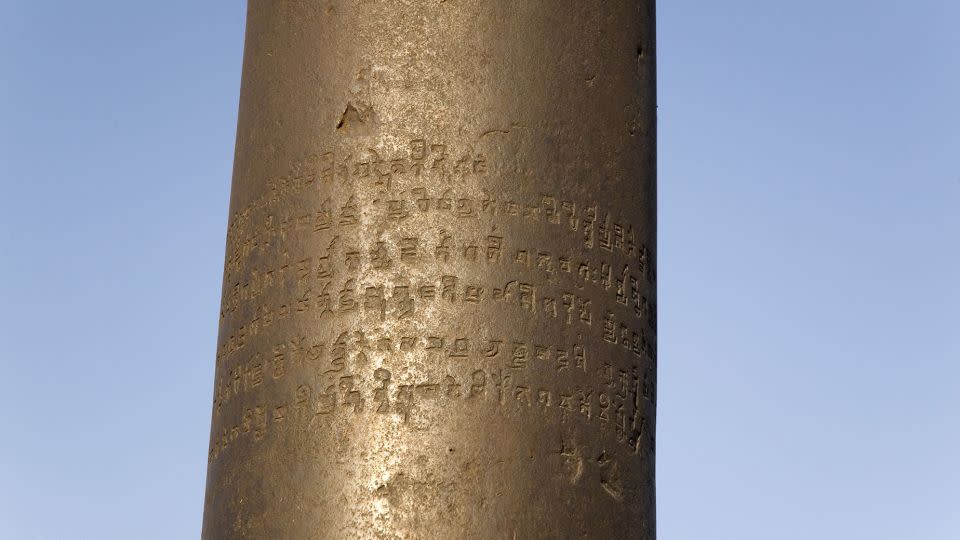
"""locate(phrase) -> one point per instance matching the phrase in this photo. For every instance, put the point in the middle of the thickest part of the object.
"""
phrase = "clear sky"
(809, 261)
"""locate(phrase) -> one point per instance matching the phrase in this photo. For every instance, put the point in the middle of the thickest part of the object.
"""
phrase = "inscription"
(617, 409)
(624, 287)
(353, 350)
(385, 301)
(247, 236)
(385, 240)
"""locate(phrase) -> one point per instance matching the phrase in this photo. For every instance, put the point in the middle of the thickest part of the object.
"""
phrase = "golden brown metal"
(438, 314)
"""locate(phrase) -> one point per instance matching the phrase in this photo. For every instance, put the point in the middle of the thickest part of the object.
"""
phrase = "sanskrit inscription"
(439, 302)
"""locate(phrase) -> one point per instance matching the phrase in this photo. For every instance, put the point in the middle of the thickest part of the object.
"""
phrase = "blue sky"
(809, 210)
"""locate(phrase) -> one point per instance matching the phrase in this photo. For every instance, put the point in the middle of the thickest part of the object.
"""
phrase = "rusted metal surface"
(439, 298)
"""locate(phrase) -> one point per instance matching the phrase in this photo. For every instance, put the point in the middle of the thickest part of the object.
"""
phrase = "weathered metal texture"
(439, 296)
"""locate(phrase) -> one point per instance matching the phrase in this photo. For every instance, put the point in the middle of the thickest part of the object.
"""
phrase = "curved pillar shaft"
(439, 295)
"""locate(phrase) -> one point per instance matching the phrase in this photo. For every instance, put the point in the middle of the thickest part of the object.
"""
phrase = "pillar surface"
(439, 295)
